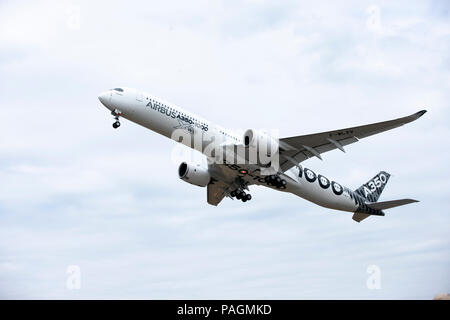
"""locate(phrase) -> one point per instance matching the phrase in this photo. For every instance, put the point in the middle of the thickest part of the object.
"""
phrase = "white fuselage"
(164, 118)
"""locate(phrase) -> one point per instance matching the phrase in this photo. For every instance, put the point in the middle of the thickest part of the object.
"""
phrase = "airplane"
(232, 178)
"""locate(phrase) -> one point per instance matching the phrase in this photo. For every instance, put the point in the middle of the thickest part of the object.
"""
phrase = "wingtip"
(416, 115)
(420, 113)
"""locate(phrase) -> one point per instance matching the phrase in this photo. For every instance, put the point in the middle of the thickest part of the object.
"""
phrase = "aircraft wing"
(294, 150)
(226, 179)
(216, 191)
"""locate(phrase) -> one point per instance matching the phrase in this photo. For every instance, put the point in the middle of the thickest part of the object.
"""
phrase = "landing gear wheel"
(116, 113)
(248, 197)
(233, 193)
(271, 180)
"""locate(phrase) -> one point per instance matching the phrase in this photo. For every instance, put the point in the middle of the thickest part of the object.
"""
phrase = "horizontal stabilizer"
(390, 204)
(359, 216)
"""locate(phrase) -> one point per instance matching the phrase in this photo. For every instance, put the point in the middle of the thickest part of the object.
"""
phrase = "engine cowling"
(263, 144)
(194, 174)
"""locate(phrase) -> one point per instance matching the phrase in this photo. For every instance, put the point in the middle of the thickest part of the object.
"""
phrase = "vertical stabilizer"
(374, 187)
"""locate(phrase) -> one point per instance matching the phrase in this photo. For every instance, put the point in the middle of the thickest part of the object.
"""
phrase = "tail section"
(368, 195)
(360, 215)
(374, 187)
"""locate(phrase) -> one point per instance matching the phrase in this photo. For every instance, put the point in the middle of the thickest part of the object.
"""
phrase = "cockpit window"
(118, 89)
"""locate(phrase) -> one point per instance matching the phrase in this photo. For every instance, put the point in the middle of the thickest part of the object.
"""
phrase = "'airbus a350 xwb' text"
(257, 158)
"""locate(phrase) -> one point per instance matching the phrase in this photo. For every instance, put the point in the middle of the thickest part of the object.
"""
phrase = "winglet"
(417, 115)
(413, 117)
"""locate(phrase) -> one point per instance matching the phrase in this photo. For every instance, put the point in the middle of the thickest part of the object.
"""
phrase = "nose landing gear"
(116, 113)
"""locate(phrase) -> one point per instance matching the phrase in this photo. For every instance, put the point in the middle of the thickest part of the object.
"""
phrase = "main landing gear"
(276, 181)
(240, 195)
(116, 113)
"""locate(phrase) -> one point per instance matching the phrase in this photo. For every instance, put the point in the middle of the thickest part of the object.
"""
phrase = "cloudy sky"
(75, 192)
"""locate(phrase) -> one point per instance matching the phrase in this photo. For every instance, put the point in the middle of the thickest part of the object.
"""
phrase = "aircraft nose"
(105, 98)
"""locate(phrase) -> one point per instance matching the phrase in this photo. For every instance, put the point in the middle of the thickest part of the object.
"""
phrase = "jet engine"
(194, 174)
(261, 146)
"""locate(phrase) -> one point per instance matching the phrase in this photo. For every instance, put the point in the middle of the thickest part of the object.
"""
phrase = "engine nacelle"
(194, 174)
(262, 144)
